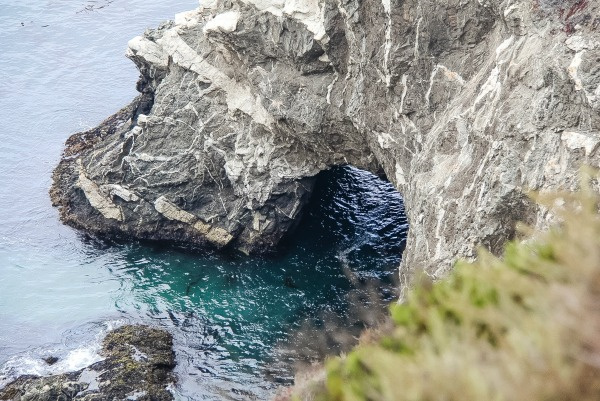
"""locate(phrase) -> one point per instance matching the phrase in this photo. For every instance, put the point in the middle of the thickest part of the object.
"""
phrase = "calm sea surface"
(235, 319)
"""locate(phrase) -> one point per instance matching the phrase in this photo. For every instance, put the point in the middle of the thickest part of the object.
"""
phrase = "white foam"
(80, 358)
(70, 360)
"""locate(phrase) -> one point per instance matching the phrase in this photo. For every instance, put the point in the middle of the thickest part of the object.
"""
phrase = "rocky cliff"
(464, 105)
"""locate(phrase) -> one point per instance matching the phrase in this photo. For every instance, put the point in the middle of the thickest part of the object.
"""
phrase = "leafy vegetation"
(523, 327)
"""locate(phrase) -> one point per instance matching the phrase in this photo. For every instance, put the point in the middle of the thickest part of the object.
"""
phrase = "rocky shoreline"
(138, 365)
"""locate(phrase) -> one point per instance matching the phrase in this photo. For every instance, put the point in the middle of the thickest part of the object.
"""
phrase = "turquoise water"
(239, 322)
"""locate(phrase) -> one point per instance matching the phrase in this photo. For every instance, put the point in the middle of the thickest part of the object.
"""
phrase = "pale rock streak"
(171, 211)
(238, 96)
(225, 22)
(94, 195)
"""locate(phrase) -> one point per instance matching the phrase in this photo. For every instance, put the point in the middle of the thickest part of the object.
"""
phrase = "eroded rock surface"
(138, 365)
(465, 105)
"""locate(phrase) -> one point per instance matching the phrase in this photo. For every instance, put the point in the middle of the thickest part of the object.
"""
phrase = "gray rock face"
(464, 105)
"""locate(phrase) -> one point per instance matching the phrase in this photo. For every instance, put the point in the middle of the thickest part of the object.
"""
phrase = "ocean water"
(240, 323)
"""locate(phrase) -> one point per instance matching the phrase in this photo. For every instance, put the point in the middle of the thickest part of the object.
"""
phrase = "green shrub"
(524, 327)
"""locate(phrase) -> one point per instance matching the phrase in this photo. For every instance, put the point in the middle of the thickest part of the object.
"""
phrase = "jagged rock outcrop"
(137, 365)
(464, 105)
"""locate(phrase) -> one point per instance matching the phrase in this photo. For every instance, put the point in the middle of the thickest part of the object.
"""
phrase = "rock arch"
(463, 106)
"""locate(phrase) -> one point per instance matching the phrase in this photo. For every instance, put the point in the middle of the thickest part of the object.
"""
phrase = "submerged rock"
(464, 105)
(138, 365)
(51, 360)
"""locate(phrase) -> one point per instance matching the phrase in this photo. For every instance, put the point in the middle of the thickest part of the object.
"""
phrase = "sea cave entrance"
(350, 241)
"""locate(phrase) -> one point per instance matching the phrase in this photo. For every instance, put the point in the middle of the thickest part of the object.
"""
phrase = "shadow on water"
(239, 319)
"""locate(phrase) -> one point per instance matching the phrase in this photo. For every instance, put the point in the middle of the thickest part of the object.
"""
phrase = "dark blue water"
(237, 320)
